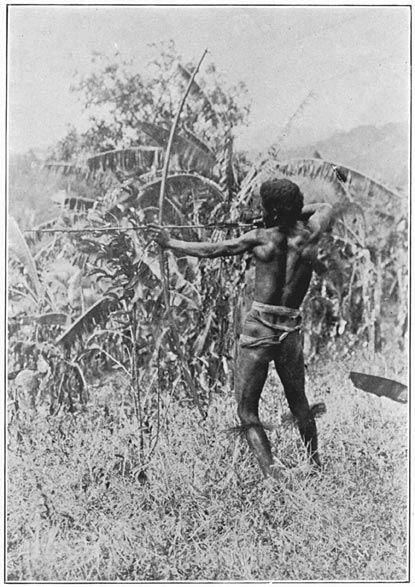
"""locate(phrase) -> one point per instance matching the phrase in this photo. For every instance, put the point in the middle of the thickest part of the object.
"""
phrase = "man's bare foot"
(277, 472)
(281, 474)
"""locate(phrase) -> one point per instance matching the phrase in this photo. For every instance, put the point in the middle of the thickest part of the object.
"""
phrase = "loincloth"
(284, 321)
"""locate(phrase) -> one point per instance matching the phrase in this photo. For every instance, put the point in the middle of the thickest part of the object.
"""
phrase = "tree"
(119, 100)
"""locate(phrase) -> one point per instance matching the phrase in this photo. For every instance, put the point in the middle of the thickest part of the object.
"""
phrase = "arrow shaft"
(139, 228)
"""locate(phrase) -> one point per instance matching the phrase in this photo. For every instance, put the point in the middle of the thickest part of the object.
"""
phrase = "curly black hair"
(282, 201)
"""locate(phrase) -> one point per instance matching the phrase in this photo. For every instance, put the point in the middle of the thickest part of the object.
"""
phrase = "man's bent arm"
(319, 217)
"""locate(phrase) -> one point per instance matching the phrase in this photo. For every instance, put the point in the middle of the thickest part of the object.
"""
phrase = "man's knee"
(304, 416)
(246, 415)
(298, 404)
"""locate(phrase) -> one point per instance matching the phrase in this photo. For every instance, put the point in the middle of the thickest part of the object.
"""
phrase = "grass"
(80, 508)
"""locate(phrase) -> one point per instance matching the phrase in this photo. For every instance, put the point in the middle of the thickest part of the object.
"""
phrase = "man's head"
(282, 202)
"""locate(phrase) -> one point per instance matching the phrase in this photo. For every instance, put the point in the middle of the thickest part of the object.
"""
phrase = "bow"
(164, 277)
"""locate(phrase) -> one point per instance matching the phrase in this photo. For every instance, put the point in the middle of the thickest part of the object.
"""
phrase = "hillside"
(380, 152)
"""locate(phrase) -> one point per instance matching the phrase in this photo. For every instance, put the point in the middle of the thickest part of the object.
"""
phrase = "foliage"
(35, 321)
(129, 332)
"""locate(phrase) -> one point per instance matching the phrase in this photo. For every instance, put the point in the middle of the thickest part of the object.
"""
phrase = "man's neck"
(282, 226)
(281, 223)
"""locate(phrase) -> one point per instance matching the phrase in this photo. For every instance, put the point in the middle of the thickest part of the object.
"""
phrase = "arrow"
(137, 228)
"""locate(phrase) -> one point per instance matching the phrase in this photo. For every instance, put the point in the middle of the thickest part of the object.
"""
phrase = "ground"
(80, 507)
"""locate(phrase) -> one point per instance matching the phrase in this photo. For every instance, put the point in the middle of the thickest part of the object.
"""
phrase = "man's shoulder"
(302, 228)
(273, 233)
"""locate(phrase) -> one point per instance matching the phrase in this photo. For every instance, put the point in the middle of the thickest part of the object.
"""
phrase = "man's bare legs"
(289, 362)
(252, 370)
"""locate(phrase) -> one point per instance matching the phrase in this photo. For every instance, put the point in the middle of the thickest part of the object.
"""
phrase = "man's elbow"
(327, 215)
(326, 207)
(221, 252)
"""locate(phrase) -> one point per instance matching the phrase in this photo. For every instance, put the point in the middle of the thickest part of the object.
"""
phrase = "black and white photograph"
(207, 217)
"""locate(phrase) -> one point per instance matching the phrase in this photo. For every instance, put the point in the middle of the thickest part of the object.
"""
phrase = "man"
(285, 251)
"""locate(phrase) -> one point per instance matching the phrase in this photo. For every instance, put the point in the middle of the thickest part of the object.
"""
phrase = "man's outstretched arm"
(226, 248)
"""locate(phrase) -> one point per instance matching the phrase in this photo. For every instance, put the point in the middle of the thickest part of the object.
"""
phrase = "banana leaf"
(188, 151)
(341, 177)
(50, 319)
(67, 168)
(336, 174)
(18, 248)
(84, 322)
(138, 158)
(181, 183)
(380, 386)
(197, 92)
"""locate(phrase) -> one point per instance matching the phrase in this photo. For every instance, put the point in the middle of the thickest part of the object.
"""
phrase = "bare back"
(285, 256)
(284, 265)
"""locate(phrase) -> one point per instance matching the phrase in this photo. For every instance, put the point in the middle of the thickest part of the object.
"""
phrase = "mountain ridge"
(381, 152)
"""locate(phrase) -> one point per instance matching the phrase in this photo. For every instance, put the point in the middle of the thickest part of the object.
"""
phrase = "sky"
(354, 60)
